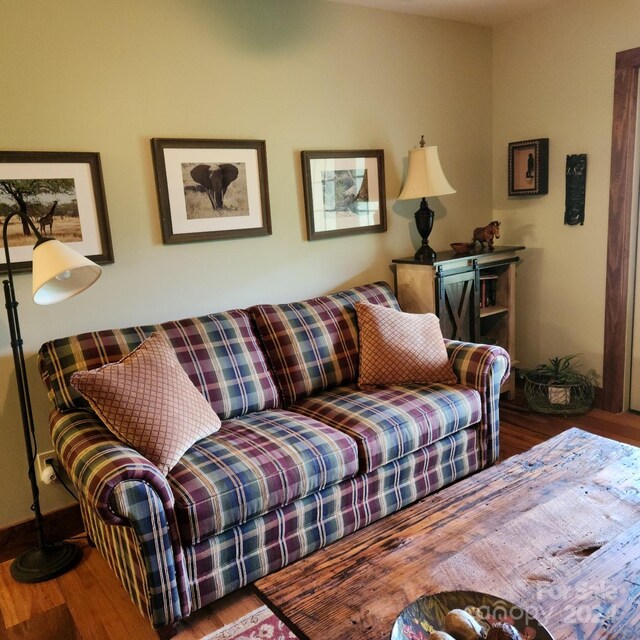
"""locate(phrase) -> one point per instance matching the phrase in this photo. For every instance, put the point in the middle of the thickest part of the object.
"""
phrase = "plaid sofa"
(303, 458)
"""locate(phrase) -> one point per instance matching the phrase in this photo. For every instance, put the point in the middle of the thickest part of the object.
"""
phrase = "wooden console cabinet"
(473, 295)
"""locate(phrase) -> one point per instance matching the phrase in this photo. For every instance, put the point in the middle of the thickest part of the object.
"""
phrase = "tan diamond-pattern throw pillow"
(147, 400)
(398, 347)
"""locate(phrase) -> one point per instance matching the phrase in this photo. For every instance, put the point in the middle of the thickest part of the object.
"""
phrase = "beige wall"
(553, 77)
(108, 76)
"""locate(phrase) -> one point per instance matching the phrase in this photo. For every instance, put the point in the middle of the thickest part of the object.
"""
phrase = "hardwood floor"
(521, 429)
(89, 604)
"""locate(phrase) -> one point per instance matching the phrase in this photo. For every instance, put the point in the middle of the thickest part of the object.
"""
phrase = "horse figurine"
(486, 234)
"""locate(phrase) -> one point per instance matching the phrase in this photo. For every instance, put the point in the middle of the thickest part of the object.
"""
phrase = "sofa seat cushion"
(254, 464)
(313, 345)
(389, 422)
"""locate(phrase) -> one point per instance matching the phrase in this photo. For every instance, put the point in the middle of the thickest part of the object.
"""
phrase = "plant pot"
(559, 395)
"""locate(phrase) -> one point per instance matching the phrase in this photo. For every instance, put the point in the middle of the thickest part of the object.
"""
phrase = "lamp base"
(424, 223)
(425, 254)
(46, 562)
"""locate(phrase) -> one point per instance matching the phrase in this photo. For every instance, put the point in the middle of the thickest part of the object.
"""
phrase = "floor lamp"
(58, 273)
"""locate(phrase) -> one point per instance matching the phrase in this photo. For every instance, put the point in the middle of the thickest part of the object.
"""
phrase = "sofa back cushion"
(220, 353)
(313, 345)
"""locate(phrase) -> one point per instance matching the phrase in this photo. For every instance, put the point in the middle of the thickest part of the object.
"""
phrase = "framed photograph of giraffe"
(63, 194)
(211, 189)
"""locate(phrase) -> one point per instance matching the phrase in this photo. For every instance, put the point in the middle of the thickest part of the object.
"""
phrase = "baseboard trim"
(598, 402)
(59, 525)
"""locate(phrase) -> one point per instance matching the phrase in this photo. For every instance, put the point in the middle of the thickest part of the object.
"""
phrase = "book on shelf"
(488, 284)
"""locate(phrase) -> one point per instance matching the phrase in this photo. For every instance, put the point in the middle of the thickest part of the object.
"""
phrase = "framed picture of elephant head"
(211, 189)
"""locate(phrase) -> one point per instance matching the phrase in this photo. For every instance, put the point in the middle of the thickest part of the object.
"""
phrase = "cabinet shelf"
(454, 288)
(493, 310)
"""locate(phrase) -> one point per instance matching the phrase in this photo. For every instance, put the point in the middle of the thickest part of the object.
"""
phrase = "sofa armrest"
(478, 366)
(97, 462)
(118, 486)
(484, 368)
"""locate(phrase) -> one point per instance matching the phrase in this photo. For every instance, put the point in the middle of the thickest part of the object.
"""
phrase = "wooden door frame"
(621, 201)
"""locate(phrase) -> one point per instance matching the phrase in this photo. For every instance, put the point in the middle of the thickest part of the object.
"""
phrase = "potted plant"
(558, 386)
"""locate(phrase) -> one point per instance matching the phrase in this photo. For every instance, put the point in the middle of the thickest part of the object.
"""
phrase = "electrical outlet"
(48, 457)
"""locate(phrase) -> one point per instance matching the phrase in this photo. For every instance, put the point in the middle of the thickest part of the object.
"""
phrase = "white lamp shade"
(425, 176)
(60, 273)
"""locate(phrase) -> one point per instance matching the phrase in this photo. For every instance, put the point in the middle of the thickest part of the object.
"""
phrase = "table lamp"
(425, 178)
(58, 273)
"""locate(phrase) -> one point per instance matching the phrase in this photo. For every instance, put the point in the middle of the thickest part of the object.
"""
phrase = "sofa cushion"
(313, 345)
(220, 353)
(389, 422)
(147, 400)
(254, 464)
(398, 347)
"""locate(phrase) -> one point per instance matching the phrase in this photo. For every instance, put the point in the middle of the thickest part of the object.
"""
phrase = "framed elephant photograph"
(211, 189)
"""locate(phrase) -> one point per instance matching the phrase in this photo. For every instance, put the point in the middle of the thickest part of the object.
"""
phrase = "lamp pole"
(47, 560)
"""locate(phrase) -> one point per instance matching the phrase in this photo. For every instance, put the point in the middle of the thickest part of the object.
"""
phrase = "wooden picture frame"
(63, 193)
(529, 167)
(344, 192)
(211, 189)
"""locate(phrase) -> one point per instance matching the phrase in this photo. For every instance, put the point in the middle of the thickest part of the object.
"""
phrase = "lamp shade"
(425, 176)
(59, 272)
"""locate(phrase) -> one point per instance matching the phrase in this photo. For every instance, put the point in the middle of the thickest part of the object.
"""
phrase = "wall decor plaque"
(576, 185)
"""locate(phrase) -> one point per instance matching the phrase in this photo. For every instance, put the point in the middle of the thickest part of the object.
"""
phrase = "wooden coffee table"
(555, 530)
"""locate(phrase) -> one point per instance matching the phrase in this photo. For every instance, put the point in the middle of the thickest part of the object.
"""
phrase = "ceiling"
(484, 12)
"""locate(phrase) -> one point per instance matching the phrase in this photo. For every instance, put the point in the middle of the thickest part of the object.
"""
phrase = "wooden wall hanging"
(576, 189)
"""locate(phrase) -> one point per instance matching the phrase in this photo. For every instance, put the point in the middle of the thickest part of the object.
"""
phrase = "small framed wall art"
(63, 193)
(529, 167)
(344, 192)
(211, 189)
